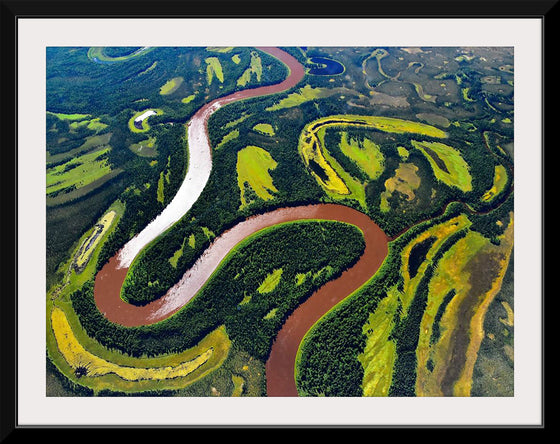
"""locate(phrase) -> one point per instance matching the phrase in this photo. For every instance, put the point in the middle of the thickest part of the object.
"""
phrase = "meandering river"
(200, 157)
(280, 366)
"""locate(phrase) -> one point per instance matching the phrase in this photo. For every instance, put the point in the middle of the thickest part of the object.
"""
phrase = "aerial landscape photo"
(279, 221)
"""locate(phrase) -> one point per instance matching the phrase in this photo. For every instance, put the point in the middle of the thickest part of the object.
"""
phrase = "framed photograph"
(275, 214)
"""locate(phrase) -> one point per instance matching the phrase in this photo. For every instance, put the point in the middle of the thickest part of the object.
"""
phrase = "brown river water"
(280, 365)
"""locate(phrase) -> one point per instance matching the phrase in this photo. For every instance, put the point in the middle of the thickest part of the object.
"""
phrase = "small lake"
(325, 67)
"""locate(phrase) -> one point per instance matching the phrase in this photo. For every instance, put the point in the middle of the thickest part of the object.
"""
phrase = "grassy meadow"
(253, 174)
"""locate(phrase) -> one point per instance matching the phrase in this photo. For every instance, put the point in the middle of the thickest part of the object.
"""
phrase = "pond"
(323, 66)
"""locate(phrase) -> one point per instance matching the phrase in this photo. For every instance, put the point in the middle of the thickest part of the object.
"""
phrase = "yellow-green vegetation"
(62, 116)
(311, 151)
(188, 99)
(356, 189)
(509, 311)
(192, 241)
(171, 86)
(89, 244)
(229, 136)
(98, 53)
(366, 154)
(220, 49)
(264, 128)
(80, 121)
(135, 374)
(255, 68)
(93, 124)
(379, 123)
(253, 166)
(325, 272)
(447, 164)
(328, 172)
(98, 140)
(236, 59)
(145, 148)
(175, 258)
(304, 94)
(145, 126)
(465, 125)
(439, 233)
(403, 153)
(424, 96)
(160, 187)
(379, 355)
(214, 68)
(405, 181)
(246, 299)
(300, 278)
(232, 123)
(270, 281)
(473, 268)
(500, 181)
(77, 356)
(163, 179)
(79, 171)
(83, 359)
(75, 277)
(270, 314)
(238, 383)
(458, 78)
(376, 54)
(490, 145)
(493, 108)
(465, 92)
(464, 58)
(96, 125)
(208, 233)
(418, 68)
(149, 68)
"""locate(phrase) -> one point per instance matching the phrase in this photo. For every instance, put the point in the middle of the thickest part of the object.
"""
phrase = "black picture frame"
(12, 11)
